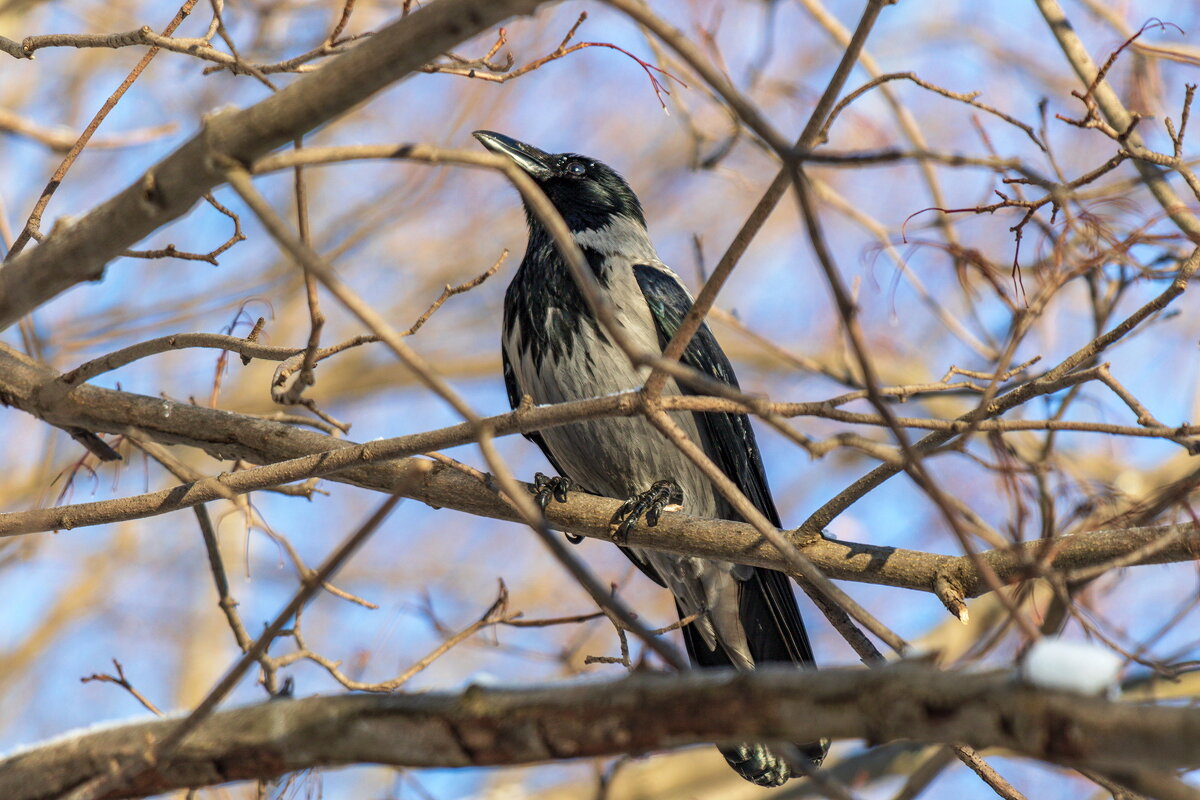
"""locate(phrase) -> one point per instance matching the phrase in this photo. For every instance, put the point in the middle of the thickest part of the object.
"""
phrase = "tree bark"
(636, 714)
(37, 390)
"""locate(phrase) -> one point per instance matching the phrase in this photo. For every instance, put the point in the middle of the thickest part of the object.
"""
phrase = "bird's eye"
(577, 169)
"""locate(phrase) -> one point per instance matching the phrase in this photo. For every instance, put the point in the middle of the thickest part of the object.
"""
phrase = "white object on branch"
(1081, 667)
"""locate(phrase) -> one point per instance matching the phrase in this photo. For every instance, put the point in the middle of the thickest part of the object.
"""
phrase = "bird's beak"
(527, 157)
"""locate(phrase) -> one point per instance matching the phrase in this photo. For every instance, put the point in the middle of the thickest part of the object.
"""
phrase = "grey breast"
(621, 456)
(611, 456)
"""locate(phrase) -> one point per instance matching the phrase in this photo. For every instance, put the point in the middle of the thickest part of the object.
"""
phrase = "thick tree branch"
(35, 389)
(636, 714)
(79, 251)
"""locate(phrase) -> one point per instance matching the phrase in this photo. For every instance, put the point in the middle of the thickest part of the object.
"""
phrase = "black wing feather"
(768, 610)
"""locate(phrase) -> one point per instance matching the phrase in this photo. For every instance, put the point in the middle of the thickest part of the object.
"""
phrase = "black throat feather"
(544, 301)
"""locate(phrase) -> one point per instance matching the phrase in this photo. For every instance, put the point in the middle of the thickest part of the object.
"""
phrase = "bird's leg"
(660, 497)
(545, 488)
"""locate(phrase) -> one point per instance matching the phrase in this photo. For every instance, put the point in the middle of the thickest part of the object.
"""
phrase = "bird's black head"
(588, 194)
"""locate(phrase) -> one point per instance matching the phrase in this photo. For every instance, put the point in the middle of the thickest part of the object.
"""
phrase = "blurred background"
(936, 293)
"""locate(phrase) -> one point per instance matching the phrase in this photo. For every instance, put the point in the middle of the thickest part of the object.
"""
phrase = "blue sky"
(429, 225)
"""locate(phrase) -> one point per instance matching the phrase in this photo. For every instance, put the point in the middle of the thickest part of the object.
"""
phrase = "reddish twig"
(484, 69)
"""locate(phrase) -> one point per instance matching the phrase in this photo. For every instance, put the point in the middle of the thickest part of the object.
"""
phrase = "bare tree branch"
(1117, 115)
(79, 251)
(62, 138)
(295, 454)
(636, 714)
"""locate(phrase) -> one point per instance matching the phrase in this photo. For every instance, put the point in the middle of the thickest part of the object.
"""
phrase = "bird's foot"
(546, 489)
(661, 496)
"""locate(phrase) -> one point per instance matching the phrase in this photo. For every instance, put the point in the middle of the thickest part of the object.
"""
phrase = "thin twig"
(120, 680)
(33, 223)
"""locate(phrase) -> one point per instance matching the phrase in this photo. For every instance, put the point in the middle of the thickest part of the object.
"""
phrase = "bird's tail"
(775, 634)
(761, 765)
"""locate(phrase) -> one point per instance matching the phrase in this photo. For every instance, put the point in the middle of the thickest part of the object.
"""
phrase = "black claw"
(546, 488)
(649, 503)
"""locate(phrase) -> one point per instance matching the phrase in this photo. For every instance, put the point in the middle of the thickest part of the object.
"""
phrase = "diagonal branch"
(758, 217)
(80, 251)
(116, 778)
(1050, 381)
(1117, 115)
